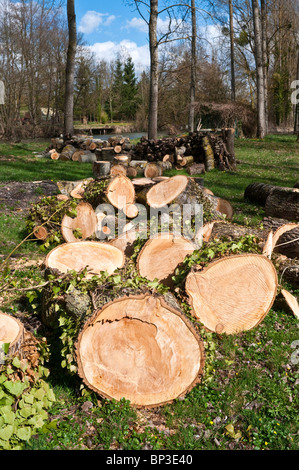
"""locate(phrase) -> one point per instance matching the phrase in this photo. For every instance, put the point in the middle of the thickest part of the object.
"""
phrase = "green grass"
(248, 398)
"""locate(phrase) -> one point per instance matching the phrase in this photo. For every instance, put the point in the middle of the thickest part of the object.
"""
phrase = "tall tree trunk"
(70, 70)
(193, 67)
(232, 51)
(261, 124)
(265, 59)
(154, 71)
(296, 121)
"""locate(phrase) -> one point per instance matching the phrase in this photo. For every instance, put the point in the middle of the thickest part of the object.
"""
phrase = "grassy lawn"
(248, 399)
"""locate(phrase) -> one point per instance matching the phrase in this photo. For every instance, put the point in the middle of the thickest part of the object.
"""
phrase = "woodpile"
(133, 338)
(197, 152)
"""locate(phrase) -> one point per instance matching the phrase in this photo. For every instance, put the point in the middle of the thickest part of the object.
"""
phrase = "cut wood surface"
(85, 222)
(125, 241)
(161, 255)
(120, 191)
(118, 169)
(93, 255)
(12, 332)
(40, 232)
(232, 294)
(142, 349)
(222, 206)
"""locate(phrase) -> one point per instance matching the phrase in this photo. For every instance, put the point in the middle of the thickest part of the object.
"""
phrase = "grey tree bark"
(232, 51)
(261, 120)
(193, 67)
(70, 70)
(154, 71)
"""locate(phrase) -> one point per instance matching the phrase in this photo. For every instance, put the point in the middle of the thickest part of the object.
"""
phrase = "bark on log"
(87, 157)
(85, 222)
(67, 152)
(221, 206)
(257, 193)
(101, 168)
(284, 203)
(161, 255)
(287, 268)
(209, 154)
(196, 169)
(286, 240)
(95, 256)
(76, 155)
(21, 342)
(140, 348)
(232, 294)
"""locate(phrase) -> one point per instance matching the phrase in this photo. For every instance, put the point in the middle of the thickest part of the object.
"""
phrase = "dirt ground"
(18, 196)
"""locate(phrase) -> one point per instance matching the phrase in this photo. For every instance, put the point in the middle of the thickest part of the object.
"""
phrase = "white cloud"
(93, 19)
(109, 50)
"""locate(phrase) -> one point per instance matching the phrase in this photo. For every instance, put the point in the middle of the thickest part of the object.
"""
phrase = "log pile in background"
(197, 152)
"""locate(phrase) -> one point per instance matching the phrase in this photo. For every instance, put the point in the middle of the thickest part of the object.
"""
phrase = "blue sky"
(114, 27)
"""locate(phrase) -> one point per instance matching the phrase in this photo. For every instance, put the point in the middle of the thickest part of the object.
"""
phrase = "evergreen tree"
(130, 98)
(116, 92)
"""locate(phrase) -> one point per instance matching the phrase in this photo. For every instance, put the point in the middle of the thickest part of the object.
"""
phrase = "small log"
(85, 221)
(67, 152)
(118, 169)
(41, 233)
(152, 170)
(76, 155)
(101, 168)
(118, 149)
(221, 206)
(187, 161)
(232, 294)
(196, 169)
(209, 154)
(87, 157)
(122, 159)
(54, 155)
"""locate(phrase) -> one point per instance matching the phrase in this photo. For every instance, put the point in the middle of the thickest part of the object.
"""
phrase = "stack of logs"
(197, 152)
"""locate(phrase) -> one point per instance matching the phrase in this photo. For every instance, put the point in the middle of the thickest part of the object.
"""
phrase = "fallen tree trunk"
(141, 348)
(257, 193)
(232, 294)
(283, 203)
(67, 152)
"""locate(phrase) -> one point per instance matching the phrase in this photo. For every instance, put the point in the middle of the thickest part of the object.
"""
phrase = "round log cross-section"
(142, 349)
(234, 293)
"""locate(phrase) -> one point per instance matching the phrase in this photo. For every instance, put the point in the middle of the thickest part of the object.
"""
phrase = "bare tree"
(193, 66)
(261, 124)
(70, 70)
(232, 50)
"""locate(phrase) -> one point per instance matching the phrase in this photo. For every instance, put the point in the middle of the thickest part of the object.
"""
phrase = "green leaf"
(6, 432)
(15, 388)
(24, 433)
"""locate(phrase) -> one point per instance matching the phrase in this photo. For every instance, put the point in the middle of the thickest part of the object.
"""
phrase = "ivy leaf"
(15, 388)
(24, 433)
(6, 432)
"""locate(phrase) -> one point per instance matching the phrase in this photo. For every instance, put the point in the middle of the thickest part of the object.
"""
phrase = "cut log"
(161, 255)
(106, 153)
(76, 155)
(209, 154)
(101, 168)
(41, 233)
(85, 224)
(292, 302)
(122, 159)
(283, 203)
(118, 169)
(21, 342)
(257, 193)
(287, 268)
(182, 191)
(12, 333)
(95, 256)
(196, 169)
(152, 170)
(118, 149)
(67, 152)
(142, 349)
(87, 157)
(223, 230)
(54, 155)
(187, 161)
(131, 210)
(120, 192)
(232, 294)
(286, 240)
(222, 206)
(126, 240)
(136, 168)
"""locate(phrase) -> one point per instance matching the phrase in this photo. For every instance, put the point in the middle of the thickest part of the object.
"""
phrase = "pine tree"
(117, 88)
(130, 98)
